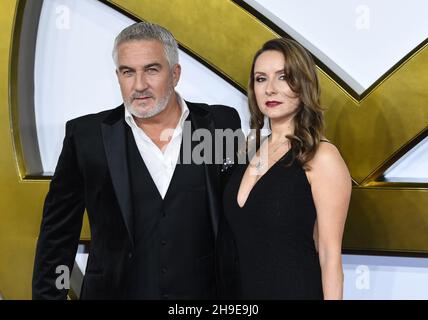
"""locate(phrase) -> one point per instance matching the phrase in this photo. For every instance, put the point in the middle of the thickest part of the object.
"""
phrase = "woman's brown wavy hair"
(301, 75)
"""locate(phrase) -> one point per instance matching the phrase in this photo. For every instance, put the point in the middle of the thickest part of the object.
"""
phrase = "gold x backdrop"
(371, 132)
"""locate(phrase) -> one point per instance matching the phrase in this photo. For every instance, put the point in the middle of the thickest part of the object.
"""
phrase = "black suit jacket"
(92, 174)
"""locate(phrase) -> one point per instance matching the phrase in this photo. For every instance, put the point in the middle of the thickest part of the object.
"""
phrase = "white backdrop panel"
(359, 40)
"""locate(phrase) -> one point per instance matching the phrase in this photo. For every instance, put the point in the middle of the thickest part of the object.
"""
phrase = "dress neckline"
(258, 180)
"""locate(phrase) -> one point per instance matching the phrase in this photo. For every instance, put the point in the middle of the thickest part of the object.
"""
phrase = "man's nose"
(140, 83)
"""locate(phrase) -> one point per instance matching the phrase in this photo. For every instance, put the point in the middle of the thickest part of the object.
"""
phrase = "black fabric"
(273, 232)
(93, 173)
(174, 248)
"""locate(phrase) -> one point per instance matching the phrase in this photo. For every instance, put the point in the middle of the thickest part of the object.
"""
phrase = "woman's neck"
(280, 129)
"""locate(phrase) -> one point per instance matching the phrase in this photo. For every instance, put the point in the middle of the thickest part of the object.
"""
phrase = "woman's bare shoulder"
(327, 162)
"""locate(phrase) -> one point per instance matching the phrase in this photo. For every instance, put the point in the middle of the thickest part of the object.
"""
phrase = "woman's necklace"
(263, 158)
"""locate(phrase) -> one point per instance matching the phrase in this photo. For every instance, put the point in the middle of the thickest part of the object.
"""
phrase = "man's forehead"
(140, 45)
(151, 51)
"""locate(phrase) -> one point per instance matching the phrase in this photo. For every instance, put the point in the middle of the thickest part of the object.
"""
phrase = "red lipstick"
(273, 103)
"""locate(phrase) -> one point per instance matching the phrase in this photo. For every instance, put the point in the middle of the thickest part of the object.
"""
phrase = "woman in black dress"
(286, 208)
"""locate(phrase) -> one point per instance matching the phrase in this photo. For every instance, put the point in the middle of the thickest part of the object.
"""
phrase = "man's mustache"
(144, 94)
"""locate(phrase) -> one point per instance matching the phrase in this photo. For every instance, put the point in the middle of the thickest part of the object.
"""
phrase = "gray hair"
(149, 31)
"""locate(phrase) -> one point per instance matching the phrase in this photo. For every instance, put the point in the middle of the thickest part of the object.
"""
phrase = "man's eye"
(152, 70)
(127, 72)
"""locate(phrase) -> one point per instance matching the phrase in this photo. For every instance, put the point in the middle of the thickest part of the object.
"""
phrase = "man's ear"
(176, 73)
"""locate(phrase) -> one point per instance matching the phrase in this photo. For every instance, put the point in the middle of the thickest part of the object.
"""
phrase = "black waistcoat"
(174, 238)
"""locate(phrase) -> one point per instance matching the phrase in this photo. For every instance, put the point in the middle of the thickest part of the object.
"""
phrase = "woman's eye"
(260, 79)
(282, 77)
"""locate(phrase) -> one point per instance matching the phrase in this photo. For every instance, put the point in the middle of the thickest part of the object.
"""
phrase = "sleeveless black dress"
(273, 233)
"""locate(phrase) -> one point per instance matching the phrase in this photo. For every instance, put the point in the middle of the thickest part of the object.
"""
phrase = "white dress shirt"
(161, 164)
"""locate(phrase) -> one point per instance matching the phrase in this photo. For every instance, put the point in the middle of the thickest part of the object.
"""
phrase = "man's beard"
(158, 108)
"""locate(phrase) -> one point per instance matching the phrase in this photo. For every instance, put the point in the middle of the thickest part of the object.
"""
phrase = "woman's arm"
(331, 187)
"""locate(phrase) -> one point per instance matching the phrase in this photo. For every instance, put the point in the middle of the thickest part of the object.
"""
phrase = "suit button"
(164, 270)
(130, 255)
(162, 210)
(163, 242)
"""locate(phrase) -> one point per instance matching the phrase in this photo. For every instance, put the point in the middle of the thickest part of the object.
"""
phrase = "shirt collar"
(184, 110)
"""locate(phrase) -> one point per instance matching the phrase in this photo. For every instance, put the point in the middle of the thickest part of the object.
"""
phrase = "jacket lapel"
(113, 132)
(202, 119)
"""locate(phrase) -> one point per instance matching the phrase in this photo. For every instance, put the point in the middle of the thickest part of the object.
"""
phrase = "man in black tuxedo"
(154, 219)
